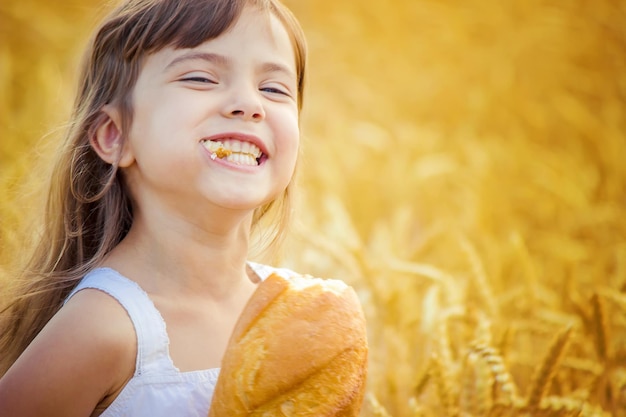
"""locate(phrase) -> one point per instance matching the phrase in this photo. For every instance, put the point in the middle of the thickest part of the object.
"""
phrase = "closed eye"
(274, 90)
(201, 80)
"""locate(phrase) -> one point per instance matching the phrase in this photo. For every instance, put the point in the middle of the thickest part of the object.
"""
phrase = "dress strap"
(152, 340)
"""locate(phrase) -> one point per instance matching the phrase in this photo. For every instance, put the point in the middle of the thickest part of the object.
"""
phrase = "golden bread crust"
(297, 350)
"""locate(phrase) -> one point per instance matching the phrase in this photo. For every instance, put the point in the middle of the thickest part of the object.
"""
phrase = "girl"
(185, 134)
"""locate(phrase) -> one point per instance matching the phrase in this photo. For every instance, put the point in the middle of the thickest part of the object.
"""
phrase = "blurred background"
(464, 168)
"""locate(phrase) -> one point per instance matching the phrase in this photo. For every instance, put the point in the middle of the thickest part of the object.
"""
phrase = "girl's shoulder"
(83, 354)
(93, 316)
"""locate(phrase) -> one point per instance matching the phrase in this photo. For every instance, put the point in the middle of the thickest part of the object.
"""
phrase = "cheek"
(290, 130)
(155, 134)
(291, 145)
(158, 123)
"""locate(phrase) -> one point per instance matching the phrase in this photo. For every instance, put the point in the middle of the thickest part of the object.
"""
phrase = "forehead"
(256, 35)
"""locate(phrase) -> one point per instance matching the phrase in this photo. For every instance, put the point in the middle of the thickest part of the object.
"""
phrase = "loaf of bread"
(299, 349)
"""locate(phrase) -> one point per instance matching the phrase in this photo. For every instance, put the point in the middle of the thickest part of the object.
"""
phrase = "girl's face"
(237, 92)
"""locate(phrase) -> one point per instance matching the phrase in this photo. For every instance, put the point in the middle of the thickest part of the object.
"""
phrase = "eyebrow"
(276, 67)
(224, 61)
(217, 59)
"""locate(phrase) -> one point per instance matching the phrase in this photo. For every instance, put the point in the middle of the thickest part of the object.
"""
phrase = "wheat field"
(464, 168)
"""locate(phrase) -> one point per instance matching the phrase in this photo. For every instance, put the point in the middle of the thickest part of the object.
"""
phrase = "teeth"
(242, 159)
(213, 146)
(232, 146)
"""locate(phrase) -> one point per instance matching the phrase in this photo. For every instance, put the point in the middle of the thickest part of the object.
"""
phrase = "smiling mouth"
(234, 151)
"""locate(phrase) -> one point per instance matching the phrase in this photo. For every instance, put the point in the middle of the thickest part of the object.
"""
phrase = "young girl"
(185, 134)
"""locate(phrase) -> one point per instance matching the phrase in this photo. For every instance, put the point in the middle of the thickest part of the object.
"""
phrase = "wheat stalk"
(441, 375)
(542, 379)
(479, 276)
(504, 390)
(377, 408)
(423, 380)
(617, 297)
(530, 274)
(476, 396)
(600, 327)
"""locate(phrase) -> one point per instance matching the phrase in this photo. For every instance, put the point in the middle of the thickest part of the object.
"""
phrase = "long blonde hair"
(88, 210)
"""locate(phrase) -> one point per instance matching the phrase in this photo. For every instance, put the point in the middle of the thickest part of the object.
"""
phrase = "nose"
(246, 104)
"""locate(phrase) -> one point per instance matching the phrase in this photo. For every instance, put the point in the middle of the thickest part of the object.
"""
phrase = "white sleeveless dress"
(157, 388)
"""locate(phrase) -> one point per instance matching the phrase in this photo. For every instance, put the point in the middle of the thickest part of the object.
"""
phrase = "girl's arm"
(85, 354)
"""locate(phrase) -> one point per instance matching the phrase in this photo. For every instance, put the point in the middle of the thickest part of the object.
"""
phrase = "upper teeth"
(234, 146)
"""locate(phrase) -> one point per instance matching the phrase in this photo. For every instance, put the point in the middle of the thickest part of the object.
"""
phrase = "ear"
(108, 141)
